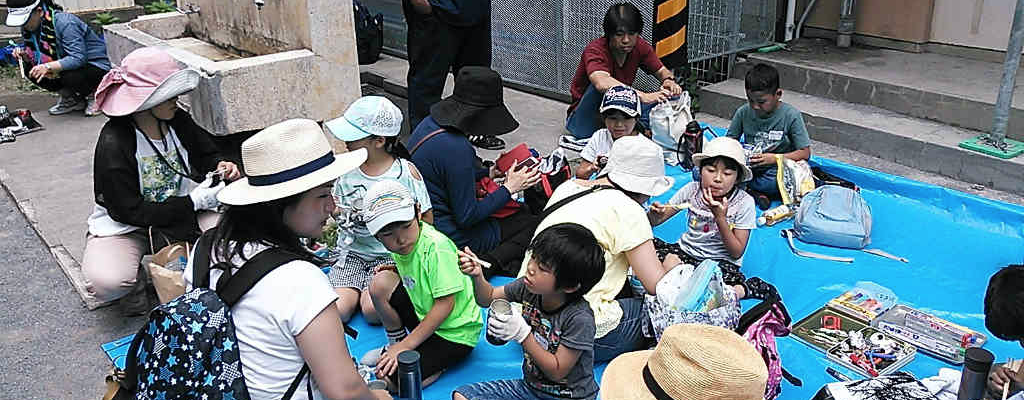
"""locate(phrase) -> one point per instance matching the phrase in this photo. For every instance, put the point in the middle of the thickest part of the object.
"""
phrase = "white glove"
(204, 197)
(508, 327)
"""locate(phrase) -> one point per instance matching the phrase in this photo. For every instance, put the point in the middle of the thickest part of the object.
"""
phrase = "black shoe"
(759, 289)
(487, 142)
(761, 199)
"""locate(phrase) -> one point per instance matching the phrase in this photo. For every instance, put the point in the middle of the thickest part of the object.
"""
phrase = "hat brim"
(748, 174)
(400, 215)
(632, 113)
(124, 100)
(649, 185)
(18, 16)
(344, 130)
(475, 120)
(623, 378)
(241, 193)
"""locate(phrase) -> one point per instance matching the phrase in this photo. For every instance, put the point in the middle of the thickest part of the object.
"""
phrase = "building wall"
(93, 5)
(905, 20)
(974, 23)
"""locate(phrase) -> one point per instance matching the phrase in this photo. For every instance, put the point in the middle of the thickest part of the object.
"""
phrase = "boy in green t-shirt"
(769, 128)
(434, 301)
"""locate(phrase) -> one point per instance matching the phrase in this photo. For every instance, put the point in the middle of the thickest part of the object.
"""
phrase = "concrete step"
(952, 90)
(913, 142)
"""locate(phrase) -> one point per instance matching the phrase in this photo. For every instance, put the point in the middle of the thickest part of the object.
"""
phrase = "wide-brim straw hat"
(477, 105)
(637, 164)
(727, 147)
(286, 159)
(146, 77)
(692, 362)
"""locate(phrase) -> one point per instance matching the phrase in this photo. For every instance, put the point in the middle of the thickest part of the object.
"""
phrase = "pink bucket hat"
(146, 77)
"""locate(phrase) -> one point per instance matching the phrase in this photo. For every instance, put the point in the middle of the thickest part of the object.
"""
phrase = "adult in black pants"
(61, 54)
(443, 36)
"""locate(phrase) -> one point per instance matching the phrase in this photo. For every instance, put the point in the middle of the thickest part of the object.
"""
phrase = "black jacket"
(116, 177)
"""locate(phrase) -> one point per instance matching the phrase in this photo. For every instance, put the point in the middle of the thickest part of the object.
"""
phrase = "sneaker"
(570, 142)
(67, 104)
(136, 302)
(759, 289)
(91, 110)
(487, 142)
(372, 357)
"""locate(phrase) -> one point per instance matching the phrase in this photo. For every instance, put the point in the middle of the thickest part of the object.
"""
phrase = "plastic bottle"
(977, 364)
(409, 380)
(775, 215)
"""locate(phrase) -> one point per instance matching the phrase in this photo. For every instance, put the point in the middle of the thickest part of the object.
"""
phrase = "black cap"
(412, 357)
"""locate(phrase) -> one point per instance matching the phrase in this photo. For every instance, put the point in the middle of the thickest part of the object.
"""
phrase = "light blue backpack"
(834, 216)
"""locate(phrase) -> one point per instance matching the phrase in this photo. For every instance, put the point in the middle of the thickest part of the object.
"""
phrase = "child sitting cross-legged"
(720, 217)
(556, 327)
(425, 293)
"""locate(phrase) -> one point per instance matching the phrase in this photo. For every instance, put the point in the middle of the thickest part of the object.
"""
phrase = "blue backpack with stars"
(188, 349)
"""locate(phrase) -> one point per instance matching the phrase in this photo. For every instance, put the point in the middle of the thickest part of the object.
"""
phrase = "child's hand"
(662, 212)
(386, 267)
(999, 376)
(718, 208)
(671, 260)
(508, 327)
(389, 360)
(468, 264)
(762, 159)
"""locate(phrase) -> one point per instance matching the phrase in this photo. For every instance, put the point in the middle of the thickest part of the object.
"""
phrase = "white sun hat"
(637, 164)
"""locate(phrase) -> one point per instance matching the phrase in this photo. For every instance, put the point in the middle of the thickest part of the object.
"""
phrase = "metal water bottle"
(409, 379)
(977, 363)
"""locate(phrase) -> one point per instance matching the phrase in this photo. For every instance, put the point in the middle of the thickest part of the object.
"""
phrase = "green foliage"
(159, 6)
(105, 18)
(330, 234)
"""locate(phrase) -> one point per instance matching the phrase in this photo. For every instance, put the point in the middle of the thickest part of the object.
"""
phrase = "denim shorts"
(513, 389)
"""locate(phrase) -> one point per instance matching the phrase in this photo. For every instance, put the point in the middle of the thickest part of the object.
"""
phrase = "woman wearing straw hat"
(635, 172)
(288, 318)
(149, 160)
(691, 361)
(61, 54)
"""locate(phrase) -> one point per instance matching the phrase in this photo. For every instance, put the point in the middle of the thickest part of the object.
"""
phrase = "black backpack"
(369, 33)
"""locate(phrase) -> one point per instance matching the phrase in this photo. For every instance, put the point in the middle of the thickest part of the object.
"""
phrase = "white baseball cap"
(386, 202)
(18, 16)
(637, 164)
(369, 115)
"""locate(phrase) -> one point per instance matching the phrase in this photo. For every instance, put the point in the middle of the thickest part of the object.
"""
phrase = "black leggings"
(516, 232)
(730, 272)
(82, 81)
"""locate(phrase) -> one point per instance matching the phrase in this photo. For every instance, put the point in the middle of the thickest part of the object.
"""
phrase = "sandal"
(487, 142)
(759, 289)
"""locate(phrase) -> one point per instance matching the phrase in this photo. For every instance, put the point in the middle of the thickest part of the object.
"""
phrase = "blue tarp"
(954, 241)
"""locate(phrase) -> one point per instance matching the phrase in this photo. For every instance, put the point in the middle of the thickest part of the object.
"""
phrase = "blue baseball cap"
(369, 115)
(622, 98)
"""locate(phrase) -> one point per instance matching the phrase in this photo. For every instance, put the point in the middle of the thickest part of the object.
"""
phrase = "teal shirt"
(781, 132)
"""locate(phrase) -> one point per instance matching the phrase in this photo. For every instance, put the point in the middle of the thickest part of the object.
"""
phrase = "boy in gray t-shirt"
(768, 127)
(556, 327)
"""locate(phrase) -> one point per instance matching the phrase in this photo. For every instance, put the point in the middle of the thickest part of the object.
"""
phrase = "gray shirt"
(781, 132)
(571, 326)
(702, 240)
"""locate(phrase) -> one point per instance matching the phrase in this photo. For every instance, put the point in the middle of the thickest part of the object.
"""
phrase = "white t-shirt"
(268, 317)
(600, 144)
(157, 180)
(702, 239)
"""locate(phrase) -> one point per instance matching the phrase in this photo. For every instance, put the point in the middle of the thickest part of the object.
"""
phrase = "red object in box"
(519, 153)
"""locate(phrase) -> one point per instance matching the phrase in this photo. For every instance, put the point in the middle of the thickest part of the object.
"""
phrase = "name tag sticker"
(775, 135)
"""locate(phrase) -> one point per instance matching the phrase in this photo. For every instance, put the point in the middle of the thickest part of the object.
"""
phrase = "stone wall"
(239, 25)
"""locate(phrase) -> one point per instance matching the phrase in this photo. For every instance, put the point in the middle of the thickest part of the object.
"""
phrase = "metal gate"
(537, 44)
(722, 27)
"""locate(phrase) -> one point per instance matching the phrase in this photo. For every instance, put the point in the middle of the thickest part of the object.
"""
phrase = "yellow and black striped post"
(669, 31)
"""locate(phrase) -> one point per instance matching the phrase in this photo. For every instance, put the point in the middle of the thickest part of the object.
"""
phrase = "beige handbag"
(165, 269)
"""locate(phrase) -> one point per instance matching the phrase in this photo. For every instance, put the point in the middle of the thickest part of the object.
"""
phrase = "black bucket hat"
(477, 106)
